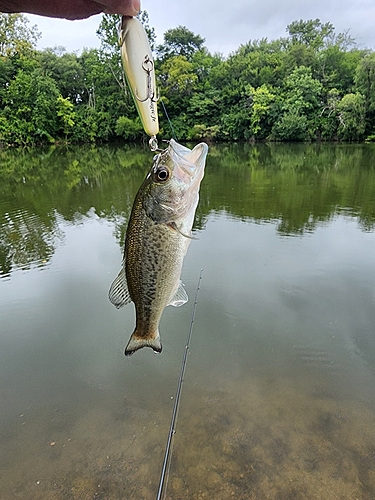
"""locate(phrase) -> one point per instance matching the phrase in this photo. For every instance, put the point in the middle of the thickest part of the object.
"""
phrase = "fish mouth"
(188, 163)
(175, 199)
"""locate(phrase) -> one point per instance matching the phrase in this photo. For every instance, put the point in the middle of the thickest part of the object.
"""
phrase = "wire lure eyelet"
(153, 143)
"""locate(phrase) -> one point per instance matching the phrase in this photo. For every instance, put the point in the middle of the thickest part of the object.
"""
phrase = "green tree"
(128, 129)
(301, 107)
(65, 69)
(16, 36)
(179, 41)
(30, 108)
(299, 54)
(329, 118)
(260, 112)
(177, 83)
(336, 68)
(351, 114)
(105, 99)
(292, 126)
(178, 76)
(312, 33)
(65, 111)
(312, 84)
(315, 44)
(203, 105)
(365, 84)
(108, 34)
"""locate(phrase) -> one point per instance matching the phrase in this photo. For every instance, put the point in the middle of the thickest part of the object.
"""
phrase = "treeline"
(311, 85)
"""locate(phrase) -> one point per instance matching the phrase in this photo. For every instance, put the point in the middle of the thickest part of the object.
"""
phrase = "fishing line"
(169, 121)
(172, 429)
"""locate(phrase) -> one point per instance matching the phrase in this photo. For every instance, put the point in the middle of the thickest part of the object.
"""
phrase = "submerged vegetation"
(313, 84)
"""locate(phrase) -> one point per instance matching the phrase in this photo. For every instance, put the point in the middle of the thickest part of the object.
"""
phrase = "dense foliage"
(311, 85)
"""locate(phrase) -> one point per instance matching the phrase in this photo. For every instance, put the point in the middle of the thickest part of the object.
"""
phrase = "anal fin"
(180, 297)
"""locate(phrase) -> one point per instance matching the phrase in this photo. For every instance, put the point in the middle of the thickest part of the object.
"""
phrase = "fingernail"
(136, 4)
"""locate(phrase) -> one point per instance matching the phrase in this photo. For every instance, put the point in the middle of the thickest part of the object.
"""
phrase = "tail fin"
(136, 343)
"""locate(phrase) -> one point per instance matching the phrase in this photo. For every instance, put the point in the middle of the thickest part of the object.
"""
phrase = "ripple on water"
(27, 240)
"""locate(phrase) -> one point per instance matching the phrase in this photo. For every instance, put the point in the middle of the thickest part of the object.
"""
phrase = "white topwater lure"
(139, 69)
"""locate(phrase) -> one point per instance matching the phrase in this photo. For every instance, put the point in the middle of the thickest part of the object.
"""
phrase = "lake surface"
(278, 400)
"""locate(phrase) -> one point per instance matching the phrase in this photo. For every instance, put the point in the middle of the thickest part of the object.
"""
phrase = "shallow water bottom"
(266, 438)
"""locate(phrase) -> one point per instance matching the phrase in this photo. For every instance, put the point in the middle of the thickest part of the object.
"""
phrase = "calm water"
(279, 394)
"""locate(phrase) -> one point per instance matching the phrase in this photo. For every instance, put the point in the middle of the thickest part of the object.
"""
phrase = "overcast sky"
(224, 24)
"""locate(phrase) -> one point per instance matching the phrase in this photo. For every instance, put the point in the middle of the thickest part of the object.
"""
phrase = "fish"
(157, 238)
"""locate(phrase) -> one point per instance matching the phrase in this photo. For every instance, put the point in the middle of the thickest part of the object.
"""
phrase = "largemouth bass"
(157, 239)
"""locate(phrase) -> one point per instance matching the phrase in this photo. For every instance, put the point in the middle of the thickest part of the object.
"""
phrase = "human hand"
(71, 9)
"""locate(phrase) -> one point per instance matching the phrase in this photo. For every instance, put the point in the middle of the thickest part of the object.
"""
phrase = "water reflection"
(278, 398)
(299, 186)
(26, 241)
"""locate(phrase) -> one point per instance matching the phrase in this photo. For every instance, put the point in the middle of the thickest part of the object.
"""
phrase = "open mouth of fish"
(187, 170)
(188, 164)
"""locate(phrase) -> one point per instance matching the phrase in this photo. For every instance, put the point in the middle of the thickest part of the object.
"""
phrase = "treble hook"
(148, 66)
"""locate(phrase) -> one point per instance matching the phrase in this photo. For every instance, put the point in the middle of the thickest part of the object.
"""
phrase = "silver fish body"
(157, 239)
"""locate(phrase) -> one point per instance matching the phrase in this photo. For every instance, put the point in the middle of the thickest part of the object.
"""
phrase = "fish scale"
(151, 266)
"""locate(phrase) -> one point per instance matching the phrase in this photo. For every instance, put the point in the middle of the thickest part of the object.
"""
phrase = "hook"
(148, 66)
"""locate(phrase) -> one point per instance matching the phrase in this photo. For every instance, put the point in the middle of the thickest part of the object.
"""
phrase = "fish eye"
(161, 174)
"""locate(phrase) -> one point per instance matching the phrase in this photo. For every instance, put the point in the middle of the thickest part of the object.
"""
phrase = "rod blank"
(172, 429)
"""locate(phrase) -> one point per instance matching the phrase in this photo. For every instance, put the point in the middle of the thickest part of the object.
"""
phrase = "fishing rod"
(172, 428)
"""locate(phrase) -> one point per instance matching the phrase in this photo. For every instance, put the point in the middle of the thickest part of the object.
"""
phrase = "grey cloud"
(226, 25)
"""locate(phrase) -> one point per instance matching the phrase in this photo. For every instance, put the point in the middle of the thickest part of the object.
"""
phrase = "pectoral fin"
(173, 225)
(119, 293)
(180, 297)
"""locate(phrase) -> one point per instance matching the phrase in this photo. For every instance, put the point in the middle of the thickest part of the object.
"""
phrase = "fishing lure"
(139, 70)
